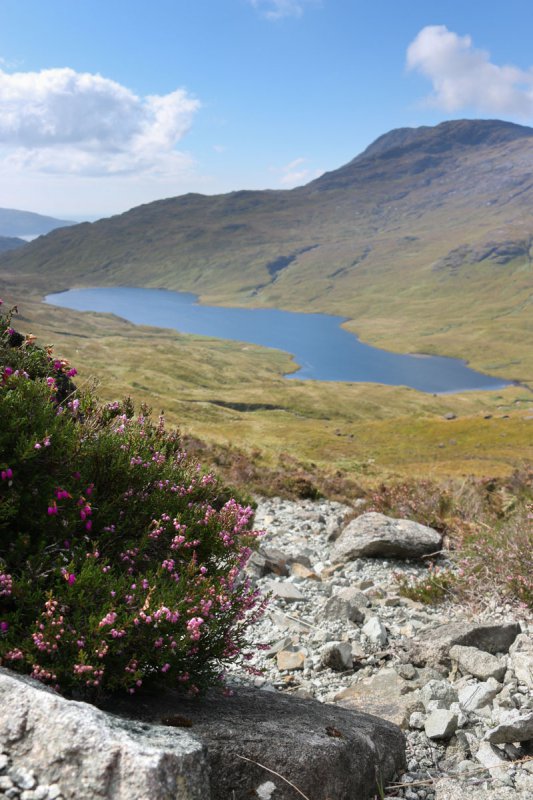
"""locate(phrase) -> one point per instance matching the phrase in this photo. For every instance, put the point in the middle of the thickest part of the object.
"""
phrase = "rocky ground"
(459, 684)
(338, 631)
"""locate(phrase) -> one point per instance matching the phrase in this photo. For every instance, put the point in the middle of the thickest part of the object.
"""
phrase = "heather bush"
(121, 563)
(488, 527)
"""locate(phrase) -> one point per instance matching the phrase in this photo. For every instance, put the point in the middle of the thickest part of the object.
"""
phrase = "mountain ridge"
(423, 242)
(17, 223)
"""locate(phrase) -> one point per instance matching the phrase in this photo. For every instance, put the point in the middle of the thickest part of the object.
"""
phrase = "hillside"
(27, 223)
(424, 241)
(10, 243)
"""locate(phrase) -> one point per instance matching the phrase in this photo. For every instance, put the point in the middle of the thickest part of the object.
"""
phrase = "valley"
(423, 242)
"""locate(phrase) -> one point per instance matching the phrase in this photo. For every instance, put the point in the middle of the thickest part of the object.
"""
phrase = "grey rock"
(342, 608)
(440, 724)
(375, 535)
(491, 758)
(521, 659)
(4, 761)
(438, 694)
(452, 789)
(384, 694)
(23, 778)
(275, 561)
(91, 754)
(281, 644)
(478, 663)
(435, 644)
(417, 720)
(515, 726)
(376, 631)
(337, 656)
(326, 751)
(285, 590)
(477, 695)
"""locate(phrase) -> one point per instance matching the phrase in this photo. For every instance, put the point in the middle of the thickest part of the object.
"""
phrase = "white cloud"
(464, 77)
(64, 122)
(296, 174)
(278, 9)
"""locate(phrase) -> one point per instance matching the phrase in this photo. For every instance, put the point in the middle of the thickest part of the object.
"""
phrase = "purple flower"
(4, 627)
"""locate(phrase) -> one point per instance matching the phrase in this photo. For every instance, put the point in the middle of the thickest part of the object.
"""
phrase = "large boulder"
(258, 736)
(90, 754)
(385, 694)
(375, 535)
(435, 645)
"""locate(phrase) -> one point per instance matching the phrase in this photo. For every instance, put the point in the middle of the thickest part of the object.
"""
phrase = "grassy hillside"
(233, 395)
(424, 242)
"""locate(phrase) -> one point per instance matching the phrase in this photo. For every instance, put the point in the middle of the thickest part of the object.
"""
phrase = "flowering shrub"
(121, 563)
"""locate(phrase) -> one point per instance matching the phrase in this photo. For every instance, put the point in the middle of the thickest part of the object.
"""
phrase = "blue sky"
(106, 104)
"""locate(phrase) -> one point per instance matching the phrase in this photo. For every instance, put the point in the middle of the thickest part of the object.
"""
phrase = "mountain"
(26, 223)
(424, 241)
(10, 243)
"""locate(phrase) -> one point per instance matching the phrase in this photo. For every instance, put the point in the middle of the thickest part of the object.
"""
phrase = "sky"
(107, 104)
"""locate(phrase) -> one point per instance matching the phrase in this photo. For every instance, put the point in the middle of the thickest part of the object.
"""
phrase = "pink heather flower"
(8, 371)
(72, 372)
(37, 446)
(71, 579)
(51, 381)
(7, 474)
(165, 668)
(52, 509)
(4, 627)
(108, 619)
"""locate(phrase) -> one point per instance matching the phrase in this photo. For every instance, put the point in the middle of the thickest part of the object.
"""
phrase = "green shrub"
(121, 563)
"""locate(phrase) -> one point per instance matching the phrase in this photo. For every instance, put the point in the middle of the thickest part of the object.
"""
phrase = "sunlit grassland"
(234, 394)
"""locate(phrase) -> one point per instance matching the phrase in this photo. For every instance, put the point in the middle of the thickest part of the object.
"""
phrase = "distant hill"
(10, 243)
(26, 223)
(424, 240)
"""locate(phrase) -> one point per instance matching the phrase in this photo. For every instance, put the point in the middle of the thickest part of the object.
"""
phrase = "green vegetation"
(364, 431)
(488, 530)
(120, 561)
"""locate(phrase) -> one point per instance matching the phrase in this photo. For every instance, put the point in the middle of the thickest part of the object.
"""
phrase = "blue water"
(323, 350)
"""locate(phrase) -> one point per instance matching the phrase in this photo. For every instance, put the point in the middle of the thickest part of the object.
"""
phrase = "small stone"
(265, 790)
(290, 659)
(285, 590)
(54, 792)
(440, 724)
(521, 658)
(478, 663)
(341, 608)
(490, 757)
(4, 761)
(281, 644)
(40, 793)
(5, 783)
(406, 671)
(476, 695)
(515, 726)
(337, 656)
(417, 720)
(23, 778)
(438, 694)
(376, 631)
(303, 572)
